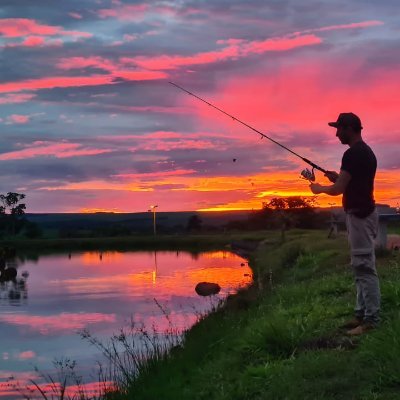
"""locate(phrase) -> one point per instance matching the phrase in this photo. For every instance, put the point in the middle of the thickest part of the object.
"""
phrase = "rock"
(207, 288)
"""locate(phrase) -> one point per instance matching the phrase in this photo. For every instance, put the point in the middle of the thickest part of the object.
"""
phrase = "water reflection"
(13, 288)
(102, 292)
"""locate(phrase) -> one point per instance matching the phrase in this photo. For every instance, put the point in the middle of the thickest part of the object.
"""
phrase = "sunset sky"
(89, 121)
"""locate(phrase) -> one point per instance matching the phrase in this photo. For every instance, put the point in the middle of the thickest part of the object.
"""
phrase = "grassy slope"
(281, 341)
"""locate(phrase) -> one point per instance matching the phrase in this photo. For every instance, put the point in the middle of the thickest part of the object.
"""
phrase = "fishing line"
(307, 174)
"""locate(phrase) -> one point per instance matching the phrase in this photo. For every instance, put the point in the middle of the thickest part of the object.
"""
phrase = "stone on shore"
(207, 288)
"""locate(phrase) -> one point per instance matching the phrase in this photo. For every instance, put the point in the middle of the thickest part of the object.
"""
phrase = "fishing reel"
(308, 175)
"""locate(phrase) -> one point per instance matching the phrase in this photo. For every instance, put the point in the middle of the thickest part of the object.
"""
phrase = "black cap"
(347, 119)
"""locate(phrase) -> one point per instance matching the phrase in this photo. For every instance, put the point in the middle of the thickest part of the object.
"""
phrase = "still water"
(54, 297)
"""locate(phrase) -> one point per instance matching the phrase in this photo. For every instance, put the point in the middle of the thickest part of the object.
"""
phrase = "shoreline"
(282, 340)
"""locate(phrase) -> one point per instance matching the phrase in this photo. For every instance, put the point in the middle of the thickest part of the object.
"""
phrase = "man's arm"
(333, 190)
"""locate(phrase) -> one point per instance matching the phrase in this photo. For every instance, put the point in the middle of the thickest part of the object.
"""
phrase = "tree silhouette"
(11, 211)
(291, 211)
(194, 224)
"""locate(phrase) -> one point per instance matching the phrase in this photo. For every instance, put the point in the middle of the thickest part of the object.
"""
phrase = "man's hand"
(332, 176)
(316, 188)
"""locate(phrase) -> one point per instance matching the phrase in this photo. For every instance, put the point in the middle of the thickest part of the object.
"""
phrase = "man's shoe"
(360, 329)
(353, 323)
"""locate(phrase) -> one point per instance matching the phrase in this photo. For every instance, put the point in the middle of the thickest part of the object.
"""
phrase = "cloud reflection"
(56, 324)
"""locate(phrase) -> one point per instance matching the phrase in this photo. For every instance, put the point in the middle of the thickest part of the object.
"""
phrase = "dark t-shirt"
(360, 162)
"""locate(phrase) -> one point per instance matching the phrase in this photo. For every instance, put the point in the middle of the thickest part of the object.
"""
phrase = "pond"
(54, 297)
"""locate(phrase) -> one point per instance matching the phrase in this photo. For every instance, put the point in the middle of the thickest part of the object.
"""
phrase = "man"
(356, 182)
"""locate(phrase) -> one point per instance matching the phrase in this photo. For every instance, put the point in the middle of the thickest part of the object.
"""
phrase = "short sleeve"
(347, 162)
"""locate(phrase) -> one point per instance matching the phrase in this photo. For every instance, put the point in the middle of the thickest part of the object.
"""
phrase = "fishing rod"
(306, 173)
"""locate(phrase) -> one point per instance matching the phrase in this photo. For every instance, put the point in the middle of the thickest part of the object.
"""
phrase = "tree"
(11, 212)
(194, 223)
(291, 211)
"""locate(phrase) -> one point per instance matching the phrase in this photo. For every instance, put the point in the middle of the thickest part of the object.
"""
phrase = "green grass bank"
(195, 242)
(279, 339)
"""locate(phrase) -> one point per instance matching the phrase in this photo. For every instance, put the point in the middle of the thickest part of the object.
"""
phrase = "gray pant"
(361, 234)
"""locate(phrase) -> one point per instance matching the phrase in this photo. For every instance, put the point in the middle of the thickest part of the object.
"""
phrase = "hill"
(134, 222)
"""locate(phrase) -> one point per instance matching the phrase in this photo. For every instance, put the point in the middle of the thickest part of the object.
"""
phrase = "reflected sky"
(56, 296)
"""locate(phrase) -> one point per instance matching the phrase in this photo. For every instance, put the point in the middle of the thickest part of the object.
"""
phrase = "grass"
(285, 343)
(135, 242)
(394, 227)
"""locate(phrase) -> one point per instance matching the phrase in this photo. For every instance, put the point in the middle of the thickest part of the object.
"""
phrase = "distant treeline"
(279, 213)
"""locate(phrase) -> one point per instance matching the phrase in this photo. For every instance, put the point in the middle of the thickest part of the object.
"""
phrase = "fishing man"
(356, 182)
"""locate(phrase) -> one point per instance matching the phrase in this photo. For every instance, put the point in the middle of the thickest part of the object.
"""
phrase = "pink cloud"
(84, 62)
(238, 48)
(49, 324)
(114, 69)
(129, 38)
(76, 34)
(172, 62)
(169, 135)
(266, 98)
(77, 81)
(33, 41)
(279, 44)
(355, 25)
(58, 150)
(159, 174)
(16, 98)
(20, 27)
(124, 12)
(156, 109)
(27, 355)
(167, 141)
(17, 27)
(75, 15)
(18, 119)
(234, 50)
(182, 145)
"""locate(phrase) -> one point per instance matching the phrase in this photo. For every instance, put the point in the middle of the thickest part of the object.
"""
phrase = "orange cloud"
(98, 210)
(273, 185)
(225, 192)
